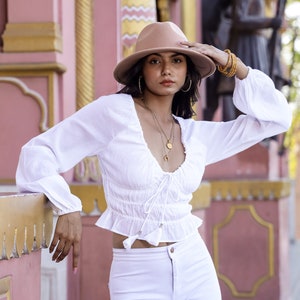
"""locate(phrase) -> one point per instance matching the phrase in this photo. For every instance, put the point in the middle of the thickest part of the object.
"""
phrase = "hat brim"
(203, 63)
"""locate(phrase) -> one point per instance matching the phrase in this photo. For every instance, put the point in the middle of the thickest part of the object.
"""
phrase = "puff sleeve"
(265, 113)
(45, 157)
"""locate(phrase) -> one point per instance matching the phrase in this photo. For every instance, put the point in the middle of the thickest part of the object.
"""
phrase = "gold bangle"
(233, 68)
(224, 69)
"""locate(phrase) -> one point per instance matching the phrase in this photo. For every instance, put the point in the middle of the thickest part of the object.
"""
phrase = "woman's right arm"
(45, 157)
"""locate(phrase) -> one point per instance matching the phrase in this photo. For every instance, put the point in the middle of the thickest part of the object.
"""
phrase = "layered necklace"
(167, 141)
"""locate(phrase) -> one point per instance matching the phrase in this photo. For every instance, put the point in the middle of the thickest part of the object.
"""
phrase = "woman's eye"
(154, 61)
(177, 60)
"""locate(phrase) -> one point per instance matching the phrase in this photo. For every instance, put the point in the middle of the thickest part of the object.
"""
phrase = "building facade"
(57, 56)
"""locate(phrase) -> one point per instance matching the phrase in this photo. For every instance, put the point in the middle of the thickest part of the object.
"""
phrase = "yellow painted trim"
(245, 189)
(201, 197)
(133, 26)
(25, 220)
(51, 99)
(189, 15)
(33, 67)
(270, 253)
(135, 3)
(164, 10)
(84, 31)
(31, 93)
(5, 290)
(32, 37)
(90, 194)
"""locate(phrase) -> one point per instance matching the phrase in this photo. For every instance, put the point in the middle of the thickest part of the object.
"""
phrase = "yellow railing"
(25, 224)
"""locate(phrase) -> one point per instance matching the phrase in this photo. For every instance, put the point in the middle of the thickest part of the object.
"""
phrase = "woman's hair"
(183, 102)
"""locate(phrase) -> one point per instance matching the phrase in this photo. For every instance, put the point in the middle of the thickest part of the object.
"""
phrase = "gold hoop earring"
(140, 85)
(190, 85)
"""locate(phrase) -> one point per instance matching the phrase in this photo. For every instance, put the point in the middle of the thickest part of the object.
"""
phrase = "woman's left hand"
(67, 234)
(219, 57)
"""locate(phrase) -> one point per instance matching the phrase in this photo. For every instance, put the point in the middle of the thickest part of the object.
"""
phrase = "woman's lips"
(167, 82)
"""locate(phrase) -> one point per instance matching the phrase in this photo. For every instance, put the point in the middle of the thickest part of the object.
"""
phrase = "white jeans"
(182, 271)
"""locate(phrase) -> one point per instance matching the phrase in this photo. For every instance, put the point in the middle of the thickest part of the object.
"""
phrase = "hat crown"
(162, 37)
(159, 35)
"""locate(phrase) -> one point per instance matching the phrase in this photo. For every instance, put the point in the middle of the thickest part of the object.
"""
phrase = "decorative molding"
(84, 52)
(270, 252)
(32, 37)
(84, 74)
(33, 67)
(250, 190)
(34, 95)
(135, 15)
(47, 70)
(91, 196)
(25, 224)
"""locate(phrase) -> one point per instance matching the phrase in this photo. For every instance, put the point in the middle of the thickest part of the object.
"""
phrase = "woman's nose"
(166, 69)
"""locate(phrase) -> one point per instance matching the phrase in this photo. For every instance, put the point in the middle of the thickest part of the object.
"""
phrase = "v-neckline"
(153, 158)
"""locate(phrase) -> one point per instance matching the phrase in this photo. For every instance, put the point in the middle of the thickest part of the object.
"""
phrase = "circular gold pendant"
(169, 145)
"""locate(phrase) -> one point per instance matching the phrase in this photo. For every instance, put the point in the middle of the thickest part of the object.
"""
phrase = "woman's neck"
(160, 105)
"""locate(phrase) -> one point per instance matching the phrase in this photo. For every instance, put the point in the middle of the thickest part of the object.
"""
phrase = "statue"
(213, 12)
(249, 38)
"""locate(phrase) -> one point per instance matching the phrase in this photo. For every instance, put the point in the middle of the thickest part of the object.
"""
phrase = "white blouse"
(143, 201)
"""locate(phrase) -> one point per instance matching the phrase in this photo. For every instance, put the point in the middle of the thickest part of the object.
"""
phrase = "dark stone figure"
(249, 41)
(212, 18)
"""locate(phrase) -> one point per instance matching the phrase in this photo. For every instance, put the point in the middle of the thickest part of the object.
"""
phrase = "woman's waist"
(145, 232)
(118, 240)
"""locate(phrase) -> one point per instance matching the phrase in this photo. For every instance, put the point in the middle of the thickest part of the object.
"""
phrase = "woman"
(152, 156)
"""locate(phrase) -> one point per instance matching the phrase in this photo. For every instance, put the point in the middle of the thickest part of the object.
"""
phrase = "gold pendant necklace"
(169, 143)
(169, 140)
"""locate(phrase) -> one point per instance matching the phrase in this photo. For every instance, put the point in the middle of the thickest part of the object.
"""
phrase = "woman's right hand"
(67, 234)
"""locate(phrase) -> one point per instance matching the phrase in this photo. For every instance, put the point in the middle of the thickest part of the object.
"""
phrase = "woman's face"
(164, 73)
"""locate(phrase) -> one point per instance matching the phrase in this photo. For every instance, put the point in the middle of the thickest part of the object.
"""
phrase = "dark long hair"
(183, 102)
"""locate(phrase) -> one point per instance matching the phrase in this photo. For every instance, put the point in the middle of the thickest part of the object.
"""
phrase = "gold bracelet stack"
(229, 69)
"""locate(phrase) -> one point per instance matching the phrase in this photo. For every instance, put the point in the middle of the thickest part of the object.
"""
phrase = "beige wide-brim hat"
(162, 37)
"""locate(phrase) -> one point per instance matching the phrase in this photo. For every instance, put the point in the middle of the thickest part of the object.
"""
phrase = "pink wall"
(108, 50)
(249, 164)
(67, 83)
(28, 110)
(244, 247)
(28, 113)
(25, 275)
(91, 280)
(20, 11)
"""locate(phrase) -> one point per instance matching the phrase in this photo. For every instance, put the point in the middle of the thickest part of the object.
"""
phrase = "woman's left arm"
(265, 110)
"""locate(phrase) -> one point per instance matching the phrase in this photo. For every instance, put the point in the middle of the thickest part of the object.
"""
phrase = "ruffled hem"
(169, 231)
